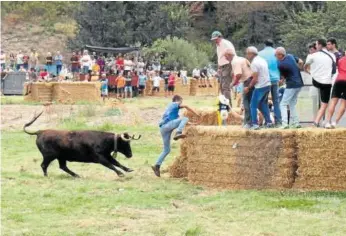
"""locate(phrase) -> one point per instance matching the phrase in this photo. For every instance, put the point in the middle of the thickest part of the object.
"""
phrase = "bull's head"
(124, 146)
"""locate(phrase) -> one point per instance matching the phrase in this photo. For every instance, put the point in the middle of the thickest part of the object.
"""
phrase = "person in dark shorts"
(338, 94)
(165, 76)
(321, 65)
(171, 83)
(75, 68)
(142, 79)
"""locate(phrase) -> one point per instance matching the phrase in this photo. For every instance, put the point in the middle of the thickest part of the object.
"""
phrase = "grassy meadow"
(100, 203)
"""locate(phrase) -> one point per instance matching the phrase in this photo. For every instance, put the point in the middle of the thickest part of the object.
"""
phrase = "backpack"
(333, 62)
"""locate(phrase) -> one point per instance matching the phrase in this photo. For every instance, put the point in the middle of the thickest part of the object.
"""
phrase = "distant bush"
(68, 29)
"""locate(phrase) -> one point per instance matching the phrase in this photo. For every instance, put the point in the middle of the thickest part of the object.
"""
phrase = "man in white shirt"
(128, 65)
(86, 64)
(320, 65)
(20, 61)
(156, 83)
(225, 68)
(140, 66)
(261, 82)
(183, 75)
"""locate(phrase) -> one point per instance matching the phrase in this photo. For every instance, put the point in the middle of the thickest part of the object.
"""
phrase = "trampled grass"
(100, 203)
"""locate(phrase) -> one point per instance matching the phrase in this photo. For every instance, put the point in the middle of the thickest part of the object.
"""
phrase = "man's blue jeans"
(260, 100)
(274, 89)
(166, 133)
(290, 99)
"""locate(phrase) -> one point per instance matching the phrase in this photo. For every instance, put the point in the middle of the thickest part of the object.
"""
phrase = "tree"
(177, 53)
(129, 23)
(307, 26)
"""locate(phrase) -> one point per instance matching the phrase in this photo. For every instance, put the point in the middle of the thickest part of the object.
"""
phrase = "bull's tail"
(30, 123)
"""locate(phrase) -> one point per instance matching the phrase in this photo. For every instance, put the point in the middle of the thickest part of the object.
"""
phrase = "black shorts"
(141, 87)
(339, 90)
(157, 89)
(171, 88)
(325, 90)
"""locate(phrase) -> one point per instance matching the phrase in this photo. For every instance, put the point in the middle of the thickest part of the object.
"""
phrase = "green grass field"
(100, 203)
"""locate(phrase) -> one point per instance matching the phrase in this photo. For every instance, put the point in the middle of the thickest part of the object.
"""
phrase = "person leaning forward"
(225, 68)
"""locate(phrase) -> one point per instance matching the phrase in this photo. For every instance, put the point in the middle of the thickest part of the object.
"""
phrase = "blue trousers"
(166, 133)
(274, 90)
(290, 99)
(259, 101)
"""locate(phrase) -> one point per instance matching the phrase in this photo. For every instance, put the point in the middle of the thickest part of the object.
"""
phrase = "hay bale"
(179, 167)
(321, 159)
(209, 117)
(232, 157)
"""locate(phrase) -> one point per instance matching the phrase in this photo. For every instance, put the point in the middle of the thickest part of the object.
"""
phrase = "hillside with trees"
(71, 25)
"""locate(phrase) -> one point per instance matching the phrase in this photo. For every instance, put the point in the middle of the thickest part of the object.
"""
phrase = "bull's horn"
(133, 137)
(122, 136)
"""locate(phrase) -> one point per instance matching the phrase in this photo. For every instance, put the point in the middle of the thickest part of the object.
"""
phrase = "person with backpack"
(322, 66)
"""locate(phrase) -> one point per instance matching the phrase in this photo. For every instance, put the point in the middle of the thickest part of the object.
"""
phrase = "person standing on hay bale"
(142, 80)
(120, 85)
(290, 72)
(156, 83)
(171, 83)
(242, 73)
(338, 93)
(86, 64)
(225, 68)
(170, 122)
(261, 82)
(321, 65)
(75, 67)
(104, 86)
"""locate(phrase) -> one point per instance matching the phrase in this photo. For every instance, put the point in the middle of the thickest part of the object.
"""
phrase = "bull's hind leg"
(63, 166)
(45, 163)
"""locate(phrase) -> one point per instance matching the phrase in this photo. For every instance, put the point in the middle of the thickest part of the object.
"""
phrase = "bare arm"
(189, 109)
(254, 80)
(307, 68)
(236, 80)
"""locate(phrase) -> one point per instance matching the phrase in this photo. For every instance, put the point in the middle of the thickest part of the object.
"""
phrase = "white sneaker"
(333, 124)
(328, 125)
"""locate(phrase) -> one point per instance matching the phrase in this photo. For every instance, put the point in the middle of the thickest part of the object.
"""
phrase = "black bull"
(81, 146)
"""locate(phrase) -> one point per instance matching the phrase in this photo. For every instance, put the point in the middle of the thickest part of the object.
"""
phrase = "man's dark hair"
(269, 43)
(312, 45)
(177, 98)
(322, 42)
(332, 41)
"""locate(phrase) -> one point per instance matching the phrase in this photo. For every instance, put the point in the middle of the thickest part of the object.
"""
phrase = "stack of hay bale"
(40, 92)
(321, 159)
(234, 158)
(195, 90)
(209, 117)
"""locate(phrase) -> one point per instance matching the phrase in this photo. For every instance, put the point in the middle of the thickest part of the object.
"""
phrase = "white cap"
(252, 49)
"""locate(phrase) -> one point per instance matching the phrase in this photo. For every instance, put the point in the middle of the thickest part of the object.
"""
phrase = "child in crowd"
(128, 86)
(142, 79)
(120, 85)
(171, 83)
(134, 83)
(170, 122)
(156, 83)
(104, 86)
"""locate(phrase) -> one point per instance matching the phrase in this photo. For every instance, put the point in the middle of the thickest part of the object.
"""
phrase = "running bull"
(81, 146)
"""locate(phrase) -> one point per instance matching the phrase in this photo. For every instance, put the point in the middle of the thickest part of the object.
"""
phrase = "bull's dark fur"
(80, 146)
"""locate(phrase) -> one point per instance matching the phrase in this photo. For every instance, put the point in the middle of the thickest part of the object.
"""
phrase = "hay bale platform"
(63, 92)
(233, 158)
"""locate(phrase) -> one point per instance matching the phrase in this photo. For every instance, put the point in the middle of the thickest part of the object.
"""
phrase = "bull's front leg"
(116, 163)
(103, 161)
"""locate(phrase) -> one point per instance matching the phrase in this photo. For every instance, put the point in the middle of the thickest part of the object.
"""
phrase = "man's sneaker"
(156, 170)
(317, 125)
(328, 125)
(284, 127)
(255, 127)
(333, 124)
(296, 126)
(247, 126)
(179, 135)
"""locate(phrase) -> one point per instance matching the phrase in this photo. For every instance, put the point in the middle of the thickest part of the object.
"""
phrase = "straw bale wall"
(234, 158)
(65, 92)
(197, 91)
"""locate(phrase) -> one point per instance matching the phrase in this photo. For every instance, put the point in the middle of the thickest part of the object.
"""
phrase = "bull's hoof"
(129, 170)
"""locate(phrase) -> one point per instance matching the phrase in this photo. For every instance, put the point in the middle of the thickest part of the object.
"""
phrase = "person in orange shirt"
(120, 85)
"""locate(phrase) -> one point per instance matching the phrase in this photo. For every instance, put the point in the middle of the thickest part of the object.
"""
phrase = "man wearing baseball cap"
(225, 68)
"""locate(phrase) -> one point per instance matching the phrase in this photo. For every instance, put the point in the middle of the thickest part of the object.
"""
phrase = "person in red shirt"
(338, 94)
(134, 83)
(119, 63)
(43, 75)
(171, 83)
(26, 61)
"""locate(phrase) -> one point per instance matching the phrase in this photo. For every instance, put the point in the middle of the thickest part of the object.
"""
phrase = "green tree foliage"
(177, 53)
(307, 26)
(129, 23)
